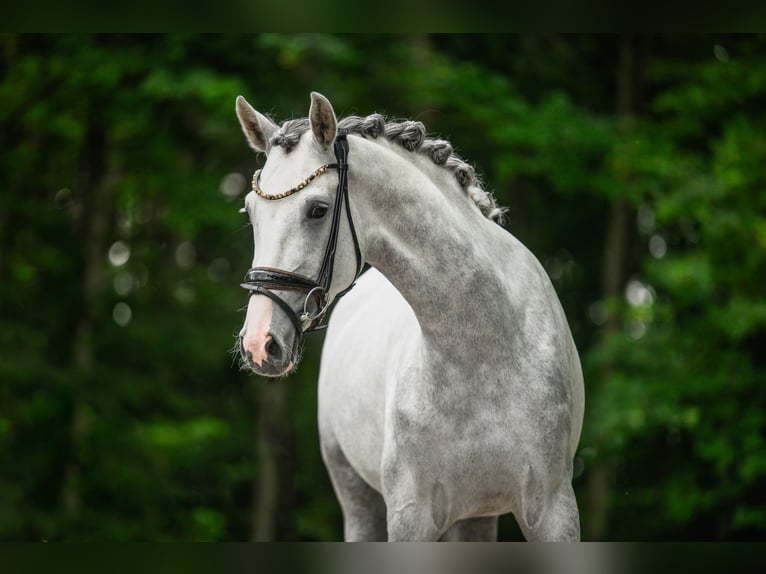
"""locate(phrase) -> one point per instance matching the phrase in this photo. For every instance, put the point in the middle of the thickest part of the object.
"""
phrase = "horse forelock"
(290, 133)
(411, 135)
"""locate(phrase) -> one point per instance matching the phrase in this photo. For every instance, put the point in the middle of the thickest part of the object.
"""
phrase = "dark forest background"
(632, 166)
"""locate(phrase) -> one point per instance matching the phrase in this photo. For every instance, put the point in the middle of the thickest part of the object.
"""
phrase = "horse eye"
(317, 211)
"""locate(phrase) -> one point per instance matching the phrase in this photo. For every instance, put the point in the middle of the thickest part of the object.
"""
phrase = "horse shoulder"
(368, 335)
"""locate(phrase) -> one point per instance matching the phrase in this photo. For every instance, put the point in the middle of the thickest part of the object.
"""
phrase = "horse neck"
(429, 239)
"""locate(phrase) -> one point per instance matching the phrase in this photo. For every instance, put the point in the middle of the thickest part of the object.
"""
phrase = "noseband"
(266, 280)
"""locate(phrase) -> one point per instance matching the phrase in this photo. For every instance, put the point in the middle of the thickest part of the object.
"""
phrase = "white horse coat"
(450, 389)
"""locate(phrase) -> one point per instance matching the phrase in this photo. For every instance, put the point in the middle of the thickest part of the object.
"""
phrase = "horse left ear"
(324, 125)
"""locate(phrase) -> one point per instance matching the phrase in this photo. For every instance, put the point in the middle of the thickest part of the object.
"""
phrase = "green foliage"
(123, 416)
(694, 381)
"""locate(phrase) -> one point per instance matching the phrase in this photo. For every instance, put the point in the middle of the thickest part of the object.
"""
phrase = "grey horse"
(450, 389)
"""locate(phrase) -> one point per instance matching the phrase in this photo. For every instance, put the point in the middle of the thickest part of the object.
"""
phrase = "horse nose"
(260, 350)
(273, 350)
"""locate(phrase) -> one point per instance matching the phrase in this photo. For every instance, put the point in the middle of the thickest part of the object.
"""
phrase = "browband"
(295, 189)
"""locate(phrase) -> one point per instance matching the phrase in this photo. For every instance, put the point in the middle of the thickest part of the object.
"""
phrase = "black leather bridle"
(266, 280)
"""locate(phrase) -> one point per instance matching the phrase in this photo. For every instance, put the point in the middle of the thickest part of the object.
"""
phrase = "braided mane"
(411, 135)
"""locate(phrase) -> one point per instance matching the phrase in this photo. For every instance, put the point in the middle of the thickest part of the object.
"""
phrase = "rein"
(266, 280)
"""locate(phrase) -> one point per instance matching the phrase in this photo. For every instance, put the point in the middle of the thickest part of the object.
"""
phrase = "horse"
(450, 388)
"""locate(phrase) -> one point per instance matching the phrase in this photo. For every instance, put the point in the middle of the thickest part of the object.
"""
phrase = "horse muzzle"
(265, 355)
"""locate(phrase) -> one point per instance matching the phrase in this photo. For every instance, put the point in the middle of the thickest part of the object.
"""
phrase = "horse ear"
(257, 127)
(322, 118)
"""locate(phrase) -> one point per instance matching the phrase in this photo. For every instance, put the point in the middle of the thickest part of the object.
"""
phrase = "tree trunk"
(271, 441)
(615, 272)
(95, 224)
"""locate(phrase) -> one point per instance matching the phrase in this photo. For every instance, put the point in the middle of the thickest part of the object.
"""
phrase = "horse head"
(296, 211)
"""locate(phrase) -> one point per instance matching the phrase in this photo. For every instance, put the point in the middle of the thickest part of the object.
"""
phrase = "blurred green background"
(634, 167)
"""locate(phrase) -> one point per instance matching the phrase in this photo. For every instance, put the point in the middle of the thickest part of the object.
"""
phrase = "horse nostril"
(272, 349)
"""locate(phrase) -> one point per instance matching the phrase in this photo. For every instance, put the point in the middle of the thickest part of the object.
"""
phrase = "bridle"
(266, 280)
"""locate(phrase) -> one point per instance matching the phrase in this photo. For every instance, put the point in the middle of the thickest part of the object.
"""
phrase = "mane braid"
(411, 135)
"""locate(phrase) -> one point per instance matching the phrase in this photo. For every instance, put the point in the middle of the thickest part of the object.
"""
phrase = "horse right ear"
(258, 128)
